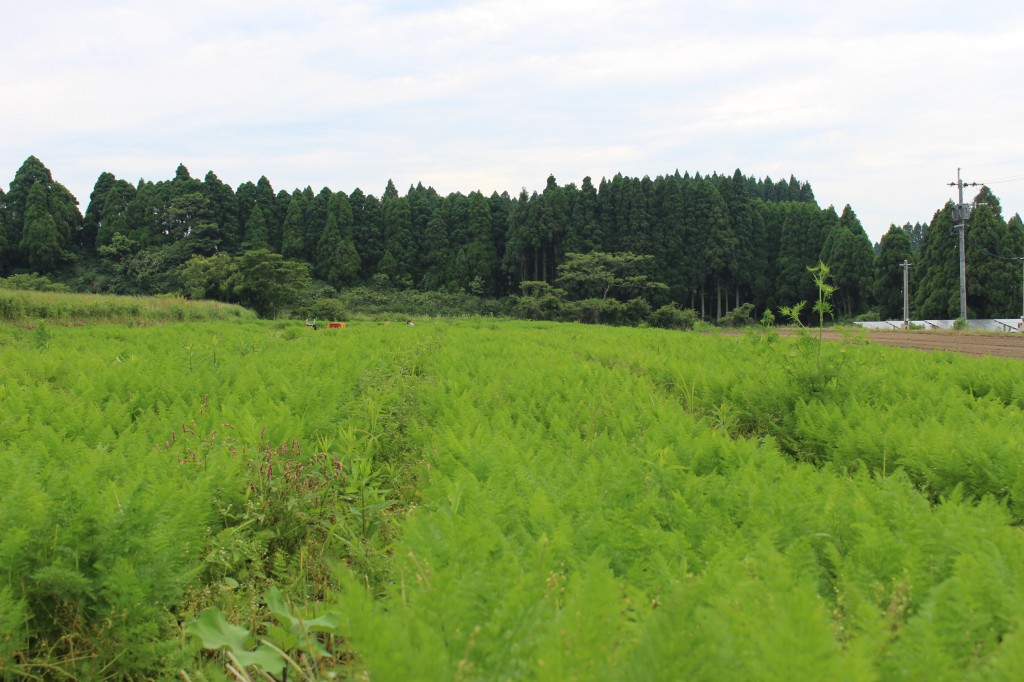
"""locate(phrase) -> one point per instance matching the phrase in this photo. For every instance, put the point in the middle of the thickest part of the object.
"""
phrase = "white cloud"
(872, 103)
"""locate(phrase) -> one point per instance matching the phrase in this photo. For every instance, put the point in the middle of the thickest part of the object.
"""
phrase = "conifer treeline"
(718, 241)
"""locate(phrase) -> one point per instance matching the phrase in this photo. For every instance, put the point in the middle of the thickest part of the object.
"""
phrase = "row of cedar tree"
(717, 241)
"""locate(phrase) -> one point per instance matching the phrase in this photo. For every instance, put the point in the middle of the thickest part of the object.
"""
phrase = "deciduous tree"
(266, 281)
(599, 275)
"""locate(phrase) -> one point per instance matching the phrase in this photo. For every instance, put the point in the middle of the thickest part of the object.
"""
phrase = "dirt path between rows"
(1007, 345)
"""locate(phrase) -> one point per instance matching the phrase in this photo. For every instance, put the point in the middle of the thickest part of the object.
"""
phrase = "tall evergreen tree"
(848, 252)
(86, 237)
(500, 207)
(32, 171)
(476, 263)
(317, 210)
(720, 243)
(422, 203)
(526, 247)
(60, 204)
(636, 214)
(1016, 228)
(245, 198)
(387, 270)
(146, 213)
(275, 222)
(608, 192)
(741, 222)
(349, 259)
(256, 233)
(674, 240)
(585, 234)
(938, 284)
(7, 251)
(267, 200)
(437, 256)
(918, 235)
(113, 215)
(770, 219)
(337, 260)
(327, 266)
(181, 174)
(807, 194)
(40, 241)
(366, 230)
(224, 212)
(991, 273)
(293, 230)
(800, 244)
(782, 189)
(862, 257)
(895, 248)
(396, 219)
(189, 215)
(552, 224)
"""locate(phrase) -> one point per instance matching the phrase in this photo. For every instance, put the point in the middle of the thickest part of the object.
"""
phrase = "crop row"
(595, 511)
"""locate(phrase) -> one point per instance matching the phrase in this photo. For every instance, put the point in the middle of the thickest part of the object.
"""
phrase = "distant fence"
(1013, 324)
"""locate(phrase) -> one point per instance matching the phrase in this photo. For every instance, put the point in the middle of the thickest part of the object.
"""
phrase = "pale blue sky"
(875, 104)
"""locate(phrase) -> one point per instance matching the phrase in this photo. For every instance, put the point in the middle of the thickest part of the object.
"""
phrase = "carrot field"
(481, 499)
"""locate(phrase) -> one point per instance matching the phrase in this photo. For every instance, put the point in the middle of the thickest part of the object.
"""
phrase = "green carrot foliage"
(482, 499)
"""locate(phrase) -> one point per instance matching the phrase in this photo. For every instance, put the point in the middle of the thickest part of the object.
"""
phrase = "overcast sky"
(876, 104)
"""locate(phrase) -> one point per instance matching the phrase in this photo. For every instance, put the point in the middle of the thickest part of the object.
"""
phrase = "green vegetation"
(21, 306)
(489, 499)
(259, 279)
(149, 472)
(711, 243)
(391, 303)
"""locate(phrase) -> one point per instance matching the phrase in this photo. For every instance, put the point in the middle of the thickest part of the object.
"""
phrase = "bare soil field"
(1004, 345)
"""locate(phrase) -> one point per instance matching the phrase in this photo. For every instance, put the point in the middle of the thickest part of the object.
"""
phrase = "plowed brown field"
(1005, 345)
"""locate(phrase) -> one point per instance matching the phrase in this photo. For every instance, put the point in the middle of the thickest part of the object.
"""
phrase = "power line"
(997, 181)
(1011, 162)
(989, 253)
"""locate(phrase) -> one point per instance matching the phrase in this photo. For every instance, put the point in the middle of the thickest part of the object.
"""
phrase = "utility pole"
(961, 212)
(906, 292)
(1022, 289)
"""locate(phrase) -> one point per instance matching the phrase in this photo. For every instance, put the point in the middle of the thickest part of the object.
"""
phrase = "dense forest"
(716, 242)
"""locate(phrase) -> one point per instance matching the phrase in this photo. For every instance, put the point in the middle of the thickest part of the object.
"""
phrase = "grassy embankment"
(29, 307)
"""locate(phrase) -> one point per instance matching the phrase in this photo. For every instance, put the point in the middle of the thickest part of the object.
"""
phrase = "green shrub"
(32, 282)
(548, 307)
(872, 315)
(672, 317)
(742, 316)
(635, 311)
(378, 302)
(323, 309)
(599, 311)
